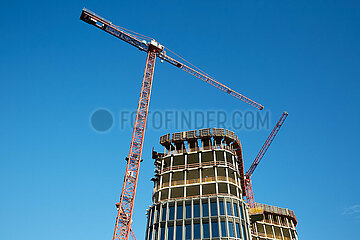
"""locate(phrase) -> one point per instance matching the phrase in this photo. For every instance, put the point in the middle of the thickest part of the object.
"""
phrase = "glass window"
(206, 231)
(170, 234)
(148, 217)
(150, 233)
(231, 229)
(228, 208)
(223, 229)
(188, 210)
(238, 230)
(171, 212)
(179, 232)
(213, 207)
(243, 230)
(152, 216)
(205, 209)
(188, 232)
(197, 231)
(163, 217)
(241, 212)
(221, 206)
(236, 211)
(215, 229)
(157, 213)
(156, 233)
(162, 233)
(179, 211)
(196, 210)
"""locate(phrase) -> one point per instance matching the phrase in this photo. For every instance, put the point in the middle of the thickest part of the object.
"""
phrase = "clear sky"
(60, 179)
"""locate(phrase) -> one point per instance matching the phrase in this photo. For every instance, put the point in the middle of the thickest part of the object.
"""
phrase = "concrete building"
(198, 188)
(274, 223)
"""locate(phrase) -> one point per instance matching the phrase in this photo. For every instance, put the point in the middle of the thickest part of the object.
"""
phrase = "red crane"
(153, 50)
(264, 148)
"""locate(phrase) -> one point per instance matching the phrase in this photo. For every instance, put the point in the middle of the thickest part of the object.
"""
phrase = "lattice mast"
(153, 50)
(264, 148)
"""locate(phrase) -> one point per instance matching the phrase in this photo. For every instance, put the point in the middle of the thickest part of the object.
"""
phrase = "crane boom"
(99, 22)
(266, 145)
(211, 81)
(264, 148)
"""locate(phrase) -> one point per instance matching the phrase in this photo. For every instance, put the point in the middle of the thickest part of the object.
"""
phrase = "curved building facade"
(198, 188)
(276, 223)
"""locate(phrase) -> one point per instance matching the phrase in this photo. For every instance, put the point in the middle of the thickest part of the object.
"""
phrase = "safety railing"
(198, 165)
(194, 181)
(196, 149)
(277, 210)
(270, 235)
(203, 195)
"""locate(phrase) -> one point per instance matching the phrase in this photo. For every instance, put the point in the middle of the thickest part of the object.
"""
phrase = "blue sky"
(60, 178)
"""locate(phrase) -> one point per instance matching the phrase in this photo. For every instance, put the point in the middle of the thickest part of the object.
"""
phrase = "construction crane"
(153, 50)
(264, 148)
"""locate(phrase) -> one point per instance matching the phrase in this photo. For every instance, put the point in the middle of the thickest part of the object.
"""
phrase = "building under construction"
(199, 188)
(273, 223)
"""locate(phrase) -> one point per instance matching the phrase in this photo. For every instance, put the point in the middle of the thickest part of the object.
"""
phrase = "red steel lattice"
(264, 148)
(124, 216)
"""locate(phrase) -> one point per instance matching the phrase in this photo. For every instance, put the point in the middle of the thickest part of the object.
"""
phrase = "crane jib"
(133, 41)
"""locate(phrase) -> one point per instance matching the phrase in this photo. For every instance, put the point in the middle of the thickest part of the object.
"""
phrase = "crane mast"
(264, 148)
(153, 49)
(123, 219)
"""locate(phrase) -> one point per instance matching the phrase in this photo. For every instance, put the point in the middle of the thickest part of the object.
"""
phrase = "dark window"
(228, 208)
(148, 217)
(188, 210)
(221, 206)
(205, 209)
(243, 231)
(223, 229)
(178, 232)
(236, 211)
(213, 207)
(238, 230)
(162, 233)
(152, 216)
(150, 233)
(215, 229)
(171, 212)
(156, 233)
(188, 232)
(179, 212)
(197, 231)
(163, 217)
(241, 212)
(196, 210)
(170, 233)
(206, 232)
(219, 156)
(157, 213)
(231, 229)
